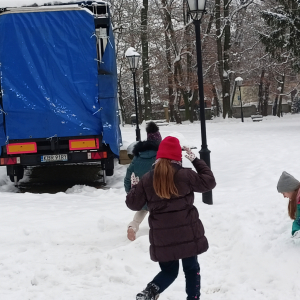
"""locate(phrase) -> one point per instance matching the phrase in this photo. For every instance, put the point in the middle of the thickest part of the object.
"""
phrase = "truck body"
(58, 79)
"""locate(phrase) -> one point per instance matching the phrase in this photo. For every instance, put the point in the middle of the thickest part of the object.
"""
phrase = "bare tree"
(145, 59)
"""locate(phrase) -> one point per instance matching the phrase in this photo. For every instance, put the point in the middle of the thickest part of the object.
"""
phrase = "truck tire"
(16, 174)
(109, 172)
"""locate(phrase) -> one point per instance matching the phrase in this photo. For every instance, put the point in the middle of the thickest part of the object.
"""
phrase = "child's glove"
(189, 154)
(134, 180)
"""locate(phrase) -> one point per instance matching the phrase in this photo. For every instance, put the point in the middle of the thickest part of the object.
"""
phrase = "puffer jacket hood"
(145, 146)
(144, 157)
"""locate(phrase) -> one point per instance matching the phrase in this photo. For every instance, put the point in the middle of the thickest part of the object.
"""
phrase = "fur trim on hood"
(144, 146)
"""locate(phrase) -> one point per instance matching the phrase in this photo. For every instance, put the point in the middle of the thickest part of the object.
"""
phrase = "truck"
(58, 83)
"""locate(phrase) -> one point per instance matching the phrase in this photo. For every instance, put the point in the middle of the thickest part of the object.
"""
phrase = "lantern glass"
(133, 58)
(239, 81)
(133, 62)
(196, 5)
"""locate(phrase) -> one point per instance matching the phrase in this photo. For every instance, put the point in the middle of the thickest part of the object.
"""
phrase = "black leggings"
(169, 272)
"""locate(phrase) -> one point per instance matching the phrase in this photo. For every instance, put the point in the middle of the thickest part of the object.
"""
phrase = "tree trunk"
(120, 94)
(216, 100)
(178, 79)
(171, 40)
(279, 109)
(223, 55)
(261, 92)
(145, 60)
(266, 99)
(186, 105)
(293, 94)
(194, 114)
(226, 79)
(219, 41)
(274, 109)
(275, 105)
(176, 107)
(140, 107)
(170, 76)
(189, 104)
(171, 105)
(295, 101)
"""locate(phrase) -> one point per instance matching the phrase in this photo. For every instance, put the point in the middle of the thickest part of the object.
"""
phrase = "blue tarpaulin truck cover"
(49, 89)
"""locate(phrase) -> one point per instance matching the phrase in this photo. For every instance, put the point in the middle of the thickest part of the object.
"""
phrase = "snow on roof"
(131, 52)
(44, 8)
(59, 7)
(239, 79)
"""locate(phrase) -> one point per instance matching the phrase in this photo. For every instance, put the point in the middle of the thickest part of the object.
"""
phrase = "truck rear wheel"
(15, 173)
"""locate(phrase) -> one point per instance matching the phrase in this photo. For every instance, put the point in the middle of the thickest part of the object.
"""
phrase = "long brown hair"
(292, 207)
(163, 179)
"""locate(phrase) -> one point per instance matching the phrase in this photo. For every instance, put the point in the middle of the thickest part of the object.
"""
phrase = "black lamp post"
(196, 9)
(239, 82)
(133, 59)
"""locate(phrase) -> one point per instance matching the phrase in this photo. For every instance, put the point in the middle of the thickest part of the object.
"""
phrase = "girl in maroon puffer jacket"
(176, 231)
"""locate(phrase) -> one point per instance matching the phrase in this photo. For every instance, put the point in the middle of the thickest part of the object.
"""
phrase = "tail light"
(9, 161)
(96, 155)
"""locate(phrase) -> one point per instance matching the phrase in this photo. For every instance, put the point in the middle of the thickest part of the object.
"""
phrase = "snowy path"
(73, 245)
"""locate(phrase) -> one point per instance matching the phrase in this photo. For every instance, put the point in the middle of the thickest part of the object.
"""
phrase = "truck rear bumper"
(106, 159)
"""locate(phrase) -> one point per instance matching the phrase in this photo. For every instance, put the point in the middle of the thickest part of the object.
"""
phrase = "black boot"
(151, 292)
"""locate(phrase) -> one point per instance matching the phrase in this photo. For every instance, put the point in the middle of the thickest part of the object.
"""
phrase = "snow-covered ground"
(73, 245)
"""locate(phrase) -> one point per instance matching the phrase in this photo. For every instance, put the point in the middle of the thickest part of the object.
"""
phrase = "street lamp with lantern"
(133, 59)
(239, 82)
(196, 9)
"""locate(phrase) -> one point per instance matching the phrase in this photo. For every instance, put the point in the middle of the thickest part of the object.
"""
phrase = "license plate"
(57, 157)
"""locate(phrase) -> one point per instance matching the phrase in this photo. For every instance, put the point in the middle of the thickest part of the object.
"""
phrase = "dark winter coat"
(176, 231)
(144, 157)
(296, 223)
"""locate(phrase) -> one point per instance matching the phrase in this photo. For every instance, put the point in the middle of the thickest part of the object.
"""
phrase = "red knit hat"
(169, 148)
